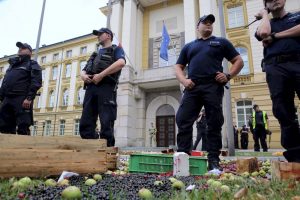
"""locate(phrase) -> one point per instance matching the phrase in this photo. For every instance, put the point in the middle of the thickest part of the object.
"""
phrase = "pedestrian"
(281, 40)
(236, 137)
(101, 75)
(244, 137)
(204, 86)
(21, 82)
(201, 124)
(260, 124)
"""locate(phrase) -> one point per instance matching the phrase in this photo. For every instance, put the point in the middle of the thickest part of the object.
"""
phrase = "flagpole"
(123, 50)
(39, 32)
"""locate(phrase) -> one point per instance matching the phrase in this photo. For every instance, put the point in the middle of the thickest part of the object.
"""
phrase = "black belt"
(204, 80)
(283, 59)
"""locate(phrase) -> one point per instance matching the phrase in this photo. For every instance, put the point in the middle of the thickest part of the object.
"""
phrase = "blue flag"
(164, 44)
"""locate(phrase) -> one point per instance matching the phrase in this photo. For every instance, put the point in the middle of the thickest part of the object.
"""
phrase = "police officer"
(204, 86)
(201, 125)
(260, 124)
(21, 82)
(100, 76)
(281, 40)
(244, 137)
(236, 137)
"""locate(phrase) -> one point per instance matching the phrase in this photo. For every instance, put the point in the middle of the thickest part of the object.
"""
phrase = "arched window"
(244, 112)
(244, 54)
(65, 97)
(80, 95)
(51, 99)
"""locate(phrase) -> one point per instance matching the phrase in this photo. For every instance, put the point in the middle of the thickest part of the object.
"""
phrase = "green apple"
(71, 193)
(90, 182)
(145, 194)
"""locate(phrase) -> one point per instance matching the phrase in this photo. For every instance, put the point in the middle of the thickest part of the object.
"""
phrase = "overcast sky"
(63, 19)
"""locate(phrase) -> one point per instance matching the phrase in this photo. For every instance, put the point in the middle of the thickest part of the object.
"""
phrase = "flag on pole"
(164, 44)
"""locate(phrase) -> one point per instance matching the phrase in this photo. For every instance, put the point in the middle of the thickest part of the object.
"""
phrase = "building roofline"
(54, 44)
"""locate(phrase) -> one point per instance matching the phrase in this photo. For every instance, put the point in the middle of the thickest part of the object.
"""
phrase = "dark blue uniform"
(201, 133)
(22, 80)
(282, 66)
(204, 58)
(100, 100)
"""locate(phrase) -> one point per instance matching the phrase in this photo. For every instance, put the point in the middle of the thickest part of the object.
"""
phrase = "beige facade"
(148, 91)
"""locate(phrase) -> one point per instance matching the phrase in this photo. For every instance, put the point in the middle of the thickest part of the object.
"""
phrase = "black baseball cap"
(24, 46)
(104, 30)
(207, 17)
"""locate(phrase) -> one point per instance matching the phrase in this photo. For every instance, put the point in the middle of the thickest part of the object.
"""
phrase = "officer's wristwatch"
(273, 36)
(228, 76)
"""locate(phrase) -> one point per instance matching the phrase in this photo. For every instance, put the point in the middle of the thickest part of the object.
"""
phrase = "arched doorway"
(165, 125)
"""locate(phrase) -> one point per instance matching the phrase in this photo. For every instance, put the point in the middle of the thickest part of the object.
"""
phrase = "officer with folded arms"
(280, 37)
(21, 82)
(101, 75)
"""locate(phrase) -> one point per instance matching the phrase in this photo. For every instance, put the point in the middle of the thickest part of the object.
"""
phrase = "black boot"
(214, 165)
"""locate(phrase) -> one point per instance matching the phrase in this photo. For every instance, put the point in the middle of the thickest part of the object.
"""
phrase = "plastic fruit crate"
(198, 165)
(162, 163)
(150, 163)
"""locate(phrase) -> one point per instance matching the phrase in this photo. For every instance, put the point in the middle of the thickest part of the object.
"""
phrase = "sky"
(63, 19)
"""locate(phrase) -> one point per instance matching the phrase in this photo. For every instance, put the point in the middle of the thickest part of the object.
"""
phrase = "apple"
(63, 182)
(50, 182)
(210, 181)
(97, 177)
(254, 174)
(172, 179)
(158, 183)
(26, 180)
(71, 193)
(216, 184)
(145, 194)
(225, 188)
(90, 182)
(245, 174)
(178, 185)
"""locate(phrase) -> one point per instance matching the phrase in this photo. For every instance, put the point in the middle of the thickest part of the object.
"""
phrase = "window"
(244, 112)
(43, 59)
(69, 54)
(62, 126)
(47, 128)
(38, 99)
(51, 99)
(244, 54)
(76, 126)
(235, 17)
(68, 70)
(55, 57)
(54, 72)
(83, 50)
(80, 96)
(65, 97)
(43, 74)
(82, 64)
(171, 58)
(34, 128)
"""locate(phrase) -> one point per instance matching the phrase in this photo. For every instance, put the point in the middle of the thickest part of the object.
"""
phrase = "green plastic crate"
(198, 165)
(162, 163)
(150, 163)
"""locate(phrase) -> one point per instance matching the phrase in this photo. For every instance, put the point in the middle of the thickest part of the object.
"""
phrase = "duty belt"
(283, 59)
(204, 80)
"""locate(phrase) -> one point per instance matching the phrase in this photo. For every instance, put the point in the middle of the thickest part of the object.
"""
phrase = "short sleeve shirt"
(283, 46)
(204, 57)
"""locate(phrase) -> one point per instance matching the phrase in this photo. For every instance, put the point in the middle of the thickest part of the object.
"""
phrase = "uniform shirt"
(283, 46)
(204, 57)
(22, 79)
(259, 118)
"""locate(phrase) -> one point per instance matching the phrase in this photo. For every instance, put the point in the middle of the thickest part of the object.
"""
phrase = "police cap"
(209, 17)
(24, 46)
(103, 30)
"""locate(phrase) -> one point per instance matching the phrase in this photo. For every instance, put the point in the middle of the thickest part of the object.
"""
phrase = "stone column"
(191, 15)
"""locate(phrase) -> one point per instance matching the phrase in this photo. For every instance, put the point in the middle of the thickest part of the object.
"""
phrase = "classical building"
(148, 90)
